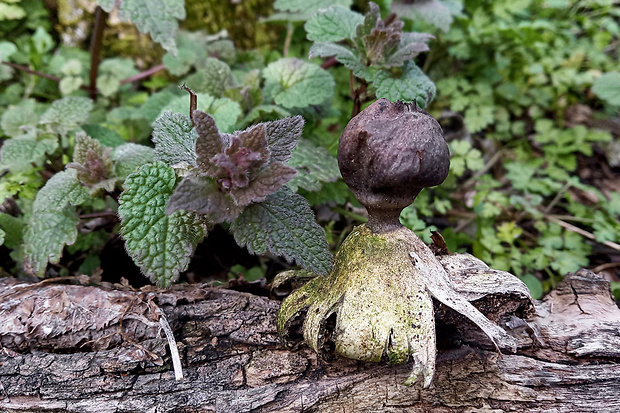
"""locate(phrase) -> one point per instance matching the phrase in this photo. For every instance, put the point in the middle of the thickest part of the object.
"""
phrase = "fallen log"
(73, 348)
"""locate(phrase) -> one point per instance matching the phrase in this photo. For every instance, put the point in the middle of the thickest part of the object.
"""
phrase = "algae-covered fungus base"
(376, 303)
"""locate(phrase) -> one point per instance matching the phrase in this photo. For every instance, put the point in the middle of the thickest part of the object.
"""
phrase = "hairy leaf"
(314, 166)
(200, 193)
(174, 139)
(284, 225)
(83, 144)
(607, 87)
(156, 17)
(266, 182)
(18, 154)
(52, 224)
(282, 136)
(160, 244)
(208, 144)
(20, 119)
(129, 157)
(412, 84)
(67, 113)
(293, 83)
(111, 72)
(333, 24)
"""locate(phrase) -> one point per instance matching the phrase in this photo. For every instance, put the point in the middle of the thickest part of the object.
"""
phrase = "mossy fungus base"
(376, 304)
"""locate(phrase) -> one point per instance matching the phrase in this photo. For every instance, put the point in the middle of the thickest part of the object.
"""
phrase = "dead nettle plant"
(377, 302)
(201, 177)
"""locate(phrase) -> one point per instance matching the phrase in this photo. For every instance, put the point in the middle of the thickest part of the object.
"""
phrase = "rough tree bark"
(70, 348)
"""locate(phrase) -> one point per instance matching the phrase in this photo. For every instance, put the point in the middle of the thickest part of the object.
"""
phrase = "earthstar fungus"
(376, 304)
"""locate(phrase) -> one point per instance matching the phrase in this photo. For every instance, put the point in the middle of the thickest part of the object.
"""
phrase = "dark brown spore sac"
(387, 154)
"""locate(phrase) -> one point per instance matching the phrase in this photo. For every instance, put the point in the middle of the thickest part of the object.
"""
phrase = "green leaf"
(309, 6)
(349, 58)
(534, 285)
(20, 119)
(53, 221)
(152, 108)
(333, 24)
(412, 84)
(293, 83)
(7, 49)
(13, 229)
(111, 72)
(607, 87)
(104, 135)
(67, 114)
(156, 17)
(434, 12)
(314, 166)
(182, 63)
(284, 225)
(129, 157)
(70, 84)
(18, 154)
(160, 244)
(212, 78)
(223, 110)
(175, 139)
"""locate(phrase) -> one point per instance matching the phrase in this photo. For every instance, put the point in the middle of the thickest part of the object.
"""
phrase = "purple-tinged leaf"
(268, 181)
(202, 195)
(282, 136)
(208, 143)
(255, 139)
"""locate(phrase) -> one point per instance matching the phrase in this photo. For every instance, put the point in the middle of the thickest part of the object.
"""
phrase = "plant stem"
(95, 50)
(581, 232)
(193, 101)
(356, 94)
(32, 71)
(290, 29)
(144, 74)
(332, 61)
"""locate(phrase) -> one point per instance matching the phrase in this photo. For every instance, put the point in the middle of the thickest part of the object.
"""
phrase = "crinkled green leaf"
(212, 78)
(20, 119)
(18, 154)
(284, 225)
(200, 193)
(308, 6)
(282, 136)
(13, 229)
(129, 157)
(293, 83)
(67, 113)
(411, 45)
(175, 139)
(224, 111)
(333, 24)
(348, 57)
(412, 84)
(104, 135)
(156, 17)
(160, 244)
(607, 87)
(52, 224)
(314, 166)
(223, 49)
(111, 72)
(209, 142)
